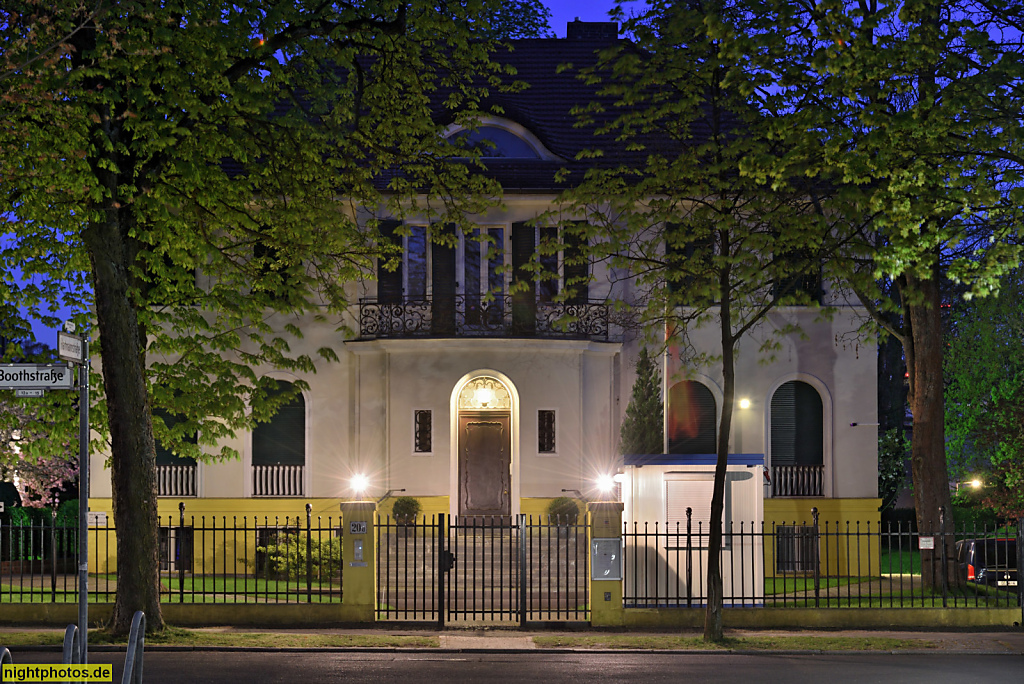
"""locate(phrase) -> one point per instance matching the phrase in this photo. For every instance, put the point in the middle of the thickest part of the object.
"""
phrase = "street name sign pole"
(83, 503)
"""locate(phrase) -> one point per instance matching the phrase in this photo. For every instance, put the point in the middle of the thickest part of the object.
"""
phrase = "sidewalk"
(509, 640)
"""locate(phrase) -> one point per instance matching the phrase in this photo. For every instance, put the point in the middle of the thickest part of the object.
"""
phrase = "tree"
(643, 430)
(707, 247)
(909, 111)
(213, 175)
(984, 367)
(517, 19)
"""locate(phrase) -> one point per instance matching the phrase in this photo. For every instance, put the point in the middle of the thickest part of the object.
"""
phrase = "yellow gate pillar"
(606, 564)
(359, 575)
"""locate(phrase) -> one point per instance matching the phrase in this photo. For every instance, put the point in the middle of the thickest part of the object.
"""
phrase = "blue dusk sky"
(564, 11)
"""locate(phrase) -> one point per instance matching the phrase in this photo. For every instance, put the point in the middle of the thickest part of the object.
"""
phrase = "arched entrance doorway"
(484, 446)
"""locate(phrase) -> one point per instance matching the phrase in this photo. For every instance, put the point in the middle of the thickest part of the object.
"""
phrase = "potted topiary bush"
(563, 511)
(404, 510)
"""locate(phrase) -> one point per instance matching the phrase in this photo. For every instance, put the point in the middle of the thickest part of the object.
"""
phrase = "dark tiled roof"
(545, 109)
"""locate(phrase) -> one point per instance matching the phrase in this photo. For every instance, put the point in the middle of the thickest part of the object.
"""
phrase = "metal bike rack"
(72, 648)
(136, 645)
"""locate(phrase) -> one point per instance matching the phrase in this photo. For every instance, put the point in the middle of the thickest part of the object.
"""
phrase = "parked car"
(992, 562)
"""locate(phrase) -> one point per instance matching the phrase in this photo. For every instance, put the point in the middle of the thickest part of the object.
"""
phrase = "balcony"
(176, 480)
(278, 480)
(471, 316)
(798, 480)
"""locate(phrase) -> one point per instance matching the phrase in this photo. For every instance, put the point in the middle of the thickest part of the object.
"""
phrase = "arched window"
(282, 440)
(691, 419)
(797, 419)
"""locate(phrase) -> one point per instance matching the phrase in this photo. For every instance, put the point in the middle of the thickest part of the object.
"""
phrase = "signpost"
(33, 380)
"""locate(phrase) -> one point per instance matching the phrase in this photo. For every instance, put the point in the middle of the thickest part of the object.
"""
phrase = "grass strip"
(744, 643)
(178, 636)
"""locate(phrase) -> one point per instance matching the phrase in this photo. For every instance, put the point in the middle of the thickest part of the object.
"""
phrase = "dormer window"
(497, 138)
(497, 143)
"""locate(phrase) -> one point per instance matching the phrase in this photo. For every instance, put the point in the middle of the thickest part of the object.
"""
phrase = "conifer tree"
(643, 430)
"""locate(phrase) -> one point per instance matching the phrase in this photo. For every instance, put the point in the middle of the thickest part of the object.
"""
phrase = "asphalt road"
(584, 668)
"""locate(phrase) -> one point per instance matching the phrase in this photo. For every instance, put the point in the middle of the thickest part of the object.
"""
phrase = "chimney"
(592, 31)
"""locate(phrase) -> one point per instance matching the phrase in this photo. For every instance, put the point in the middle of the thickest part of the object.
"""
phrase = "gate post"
(359, 575)
(606, 563)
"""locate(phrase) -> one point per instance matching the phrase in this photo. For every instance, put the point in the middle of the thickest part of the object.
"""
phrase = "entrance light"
(360, 483)
(605, 483)
(484, 395)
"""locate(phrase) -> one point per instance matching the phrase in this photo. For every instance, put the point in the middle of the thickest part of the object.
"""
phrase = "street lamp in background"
(974, 483)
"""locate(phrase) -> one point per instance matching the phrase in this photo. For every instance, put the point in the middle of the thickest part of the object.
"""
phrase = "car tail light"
(970, 572)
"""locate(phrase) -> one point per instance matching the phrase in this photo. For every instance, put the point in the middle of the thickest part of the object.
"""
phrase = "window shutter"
(524, 304)
(797, 425)
(694, 491)
(282, 440)
(389, 283)
(443, 282)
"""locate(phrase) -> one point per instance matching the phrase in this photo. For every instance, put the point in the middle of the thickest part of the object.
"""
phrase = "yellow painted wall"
(839, 554)
(217, 548)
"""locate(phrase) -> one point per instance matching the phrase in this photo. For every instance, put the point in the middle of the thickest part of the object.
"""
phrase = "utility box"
(606, 559)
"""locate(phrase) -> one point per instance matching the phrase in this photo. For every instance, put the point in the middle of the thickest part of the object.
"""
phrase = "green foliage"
(20, 517)
(643, 428)
(893, 449)
(405, 509)
(516, 19)
(286, 557)
(563, 511)
(984, 367)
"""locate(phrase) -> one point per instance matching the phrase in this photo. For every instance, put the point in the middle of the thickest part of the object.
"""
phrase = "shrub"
(286, 557)
(405, 509)
(563, 511)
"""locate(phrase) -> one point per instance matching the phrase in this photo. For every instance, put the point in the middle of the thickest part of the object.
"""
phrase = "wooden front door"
(485, 459)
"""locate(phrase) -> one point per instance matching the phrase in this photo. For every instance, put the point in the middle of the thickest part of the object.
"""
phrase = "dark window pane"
(691, 419)
(416, 262)
(495, 260)
(423, 429)
(546, 432)
(282, 440)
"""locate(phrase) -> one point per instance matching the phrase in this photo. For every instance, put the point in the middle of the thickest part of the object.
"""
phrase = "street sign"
(35, 376)
(69, 347)
(29, 393)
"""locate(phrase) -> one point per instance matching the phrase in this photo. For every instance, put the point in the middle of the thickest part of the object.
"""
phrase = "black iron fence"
(824, 564)
(202, 560)
(38, 561)
(480, 568)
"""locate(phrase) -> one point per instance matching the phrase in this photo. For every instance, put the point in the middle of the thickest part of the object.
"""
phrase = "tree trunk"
(133, 453)
(928, 447)
(713, 613)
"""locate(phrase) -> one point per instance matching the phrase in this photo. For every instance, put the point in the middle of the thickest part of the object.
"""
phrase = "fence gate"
(494, 569)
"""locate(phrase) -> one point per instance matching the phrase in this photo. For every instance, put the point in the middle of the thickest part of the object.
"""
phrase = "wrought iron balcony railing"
(469, 316)
(798, 480)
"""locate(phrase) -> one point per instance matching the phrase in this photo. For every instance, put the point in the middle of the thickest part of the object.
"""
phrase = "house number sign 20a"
(358, 527)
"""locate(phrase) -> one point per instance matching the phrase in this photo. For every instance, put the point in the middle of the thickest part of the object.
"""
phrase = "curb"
(518, 651)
